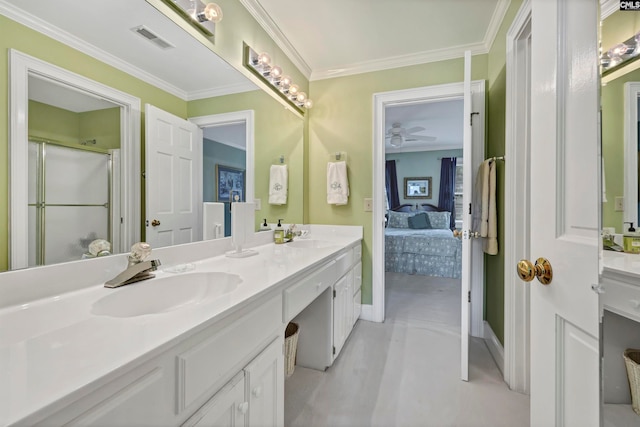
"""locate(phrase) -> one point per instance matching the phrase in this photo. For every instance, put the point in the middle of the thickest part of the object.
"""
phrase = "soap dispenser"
(631, 240)
(264, 226)
(278, 234)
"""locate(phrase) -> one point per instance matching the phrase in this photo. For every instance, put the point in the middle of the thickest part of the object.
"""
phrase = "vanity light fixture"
(260, 65)
(201, 14)
(621, 53)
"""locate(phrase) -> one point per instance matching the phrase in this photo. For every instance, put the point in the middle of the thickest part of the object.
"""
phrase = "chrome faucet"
(138, 269)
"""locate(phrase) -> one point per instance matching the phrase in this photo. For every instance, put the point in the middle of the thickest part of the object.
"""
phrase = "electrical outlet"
(368, 205)
(258, 203)
(619, 204)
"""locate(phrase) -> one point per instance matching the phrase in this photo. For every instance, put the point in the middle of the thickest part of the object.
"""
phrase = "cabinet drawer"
(343, 263)
(205, 366)
(357, 277)
(622, 298)
(300, 295)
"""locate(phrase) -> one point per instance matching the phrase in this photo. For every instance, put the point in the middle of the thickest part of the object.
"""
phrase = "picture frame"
(417, 188)
(230, 182)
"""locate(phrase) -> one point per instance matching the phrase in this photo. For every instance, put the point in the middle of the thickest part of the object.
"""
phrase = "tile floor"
(405, 371)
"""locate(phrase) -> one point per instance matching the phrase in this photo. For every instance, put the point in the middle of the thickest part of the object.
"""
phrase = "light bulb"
(264, 59)
(293, 90)
(308, 104)
(301, 97)
(618, 50)
(213, 13)
(396, 140)
(276, 72)
(285, 82)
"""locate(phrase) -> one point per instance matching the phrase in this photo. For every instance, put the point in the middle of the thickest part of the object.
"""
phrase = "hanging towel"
(212, 220)
(278, 178)
(484, 218)
(337, 183)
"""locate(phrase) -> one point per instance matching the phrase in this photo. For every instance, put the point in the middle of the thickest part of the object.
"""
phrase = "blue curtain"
(446, 200)
(391, 182)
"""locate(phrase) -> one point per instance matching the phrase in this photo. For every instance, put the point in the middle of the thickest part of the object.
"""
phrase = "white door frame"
(375, 311)
(246, 116)
(517, 200)
(20, 66)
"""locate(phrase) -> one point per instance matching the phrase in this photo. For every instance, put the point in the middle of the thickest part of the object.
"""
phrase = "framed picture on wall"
(417, 188)
(229, 184)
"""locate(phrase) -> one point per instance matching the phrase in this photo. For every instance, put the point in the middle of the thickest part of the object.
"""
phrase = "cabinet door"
(227, 408)
(339, 319)
(264, 380)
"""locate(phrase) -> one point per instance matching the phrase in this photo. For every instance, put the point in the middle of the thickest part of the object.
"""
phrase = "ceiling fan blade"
(414, 129)
(420, 138)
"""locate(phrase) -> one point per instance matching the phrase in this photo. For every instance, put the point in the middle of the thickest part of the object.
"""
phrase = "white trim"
(248, 117)
(516, 243)
(20, 66)
(380, 102)
(494, 346)
(264, 19)
(367, 313)
(631, 94)
(496, 21)
(231, 89)
(607, 7)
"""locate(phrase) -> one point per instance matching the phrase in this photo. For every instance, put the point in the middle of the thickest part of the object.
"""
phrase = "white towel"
(484, 217)
(278, 178)
(337, 183)
(212, 220)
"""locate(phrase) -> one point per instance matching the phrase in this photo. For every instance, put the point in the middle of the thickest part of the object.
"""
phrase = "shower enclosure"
(71, 201)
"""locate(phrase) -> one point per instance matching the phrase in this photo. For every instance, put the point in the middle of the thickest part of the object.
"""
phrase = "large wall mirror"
(79, 125)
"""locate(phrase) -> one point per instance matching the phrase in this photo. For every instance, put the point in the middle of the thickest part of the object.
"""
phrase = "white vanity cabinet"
(346, 296)
(228, 408)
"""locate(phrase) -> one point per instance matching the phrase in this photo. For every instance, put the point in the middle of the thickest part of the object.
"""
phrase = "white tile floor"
(405, 371)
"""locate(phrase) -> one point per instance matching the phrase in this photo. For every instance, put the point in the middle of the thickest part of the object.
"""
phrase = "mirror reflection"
(186, 80)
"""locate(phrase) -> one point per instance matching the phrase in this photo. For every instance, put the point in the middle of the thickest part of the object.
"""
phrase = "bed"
(413, 248)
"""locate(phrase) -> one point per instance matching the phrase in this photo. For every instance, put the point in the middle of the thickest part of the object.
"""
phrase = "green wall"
(421, 164)
(342, 120)
(495, 146)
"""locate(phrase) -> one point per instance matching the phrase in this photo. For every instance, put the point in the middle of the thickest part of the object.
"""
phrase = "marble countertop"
(54, 346)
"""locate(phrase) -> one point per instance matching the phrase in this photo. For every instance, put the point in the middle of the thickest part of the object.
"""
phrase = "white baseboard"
(495, 348)
(367, 312)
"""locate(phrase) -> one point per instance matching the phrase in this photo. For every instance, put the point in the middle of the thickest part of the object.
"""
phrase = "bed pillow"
(419, 221)
(399, 219)
(439, 220)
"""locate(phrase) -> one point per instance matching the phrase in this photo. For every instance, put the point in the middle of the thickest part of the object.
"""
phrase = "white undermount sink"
(310, 243)
(164, 294)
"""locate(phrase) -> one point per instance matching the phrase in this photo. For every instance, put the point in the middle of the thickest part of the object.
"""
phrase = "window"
(457, 193)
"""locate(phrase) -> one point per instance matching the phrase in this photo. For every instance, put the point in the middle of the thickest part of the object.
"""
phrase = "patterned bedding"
(426, 252)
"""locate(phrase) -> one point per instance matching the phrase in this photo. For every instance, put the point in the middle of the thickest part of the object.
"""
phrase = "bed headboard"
(425, 207)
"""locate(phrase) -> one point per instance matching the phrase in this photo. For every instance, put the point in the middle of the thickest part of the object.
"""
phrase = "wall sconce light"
(621, 53)
(201, 14)
(260, 65)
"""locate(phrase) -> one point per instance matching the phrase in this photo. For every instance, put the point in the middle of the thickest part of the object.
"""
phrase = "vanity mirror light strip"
(274, 77)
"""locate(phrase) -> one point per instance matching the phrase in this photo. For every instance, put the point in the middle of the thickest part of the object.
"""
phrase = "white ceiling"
(233, 134)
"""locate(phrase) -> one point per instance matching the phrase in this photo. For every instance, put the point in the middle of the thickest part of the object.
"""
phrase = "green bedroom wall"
(342, 120)
(495, 146)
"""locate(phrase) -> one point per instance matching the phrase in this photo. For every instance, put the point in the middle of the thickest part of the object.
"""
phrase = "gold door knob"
(457, 233)
(541, 269)
(155, 223)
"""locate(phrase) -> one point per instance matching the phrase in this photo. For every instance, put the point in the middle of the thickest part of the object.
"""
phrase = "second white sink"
(164, 294)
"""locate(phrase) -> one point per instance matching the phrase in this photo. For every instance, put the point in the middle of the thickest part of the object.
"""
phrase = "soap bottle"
(264, 226)
(278, 234)
(631, 240)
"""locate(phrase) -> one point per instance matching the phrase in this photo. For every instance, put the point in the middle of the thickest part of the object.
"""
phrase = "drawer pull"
(243, 407)
(634, 303)
(257, 392)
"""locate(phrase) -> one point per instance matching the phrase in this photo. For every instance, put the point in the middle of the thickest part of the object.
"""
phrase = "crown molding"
(496, 21)
(267, 23)
(400, 61)
(607, 7)
(221, 91)
(41, 26)
(430, 147)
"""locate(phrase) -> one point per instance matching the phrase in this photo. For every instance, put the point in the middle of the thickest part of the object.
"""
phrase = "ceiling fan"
(397, 135)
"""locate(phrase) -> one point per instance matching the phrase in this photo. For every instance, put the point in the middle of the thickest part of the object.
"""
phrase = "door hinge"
(334, 350)
(469, 296)
(334, 293)
(144, 174)
(471, 117)
(469, 208)
(121, 220)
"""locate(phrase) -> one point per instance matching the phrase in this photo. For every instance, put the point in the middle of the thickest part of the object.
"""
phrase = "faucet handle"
(139, 252)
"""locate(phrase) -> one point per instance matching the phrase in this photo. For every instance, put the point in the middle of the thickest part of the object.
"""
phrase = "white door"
(564, 213)
(173, 179)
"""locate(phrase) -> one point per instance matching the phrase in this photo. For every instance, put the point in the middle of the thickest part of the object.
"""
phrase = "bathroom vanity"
(620, 311)
(200, 344)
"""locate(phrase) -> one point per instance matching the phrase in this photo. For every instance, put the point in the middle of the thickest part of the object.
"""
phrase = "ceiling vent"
(152, 37)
